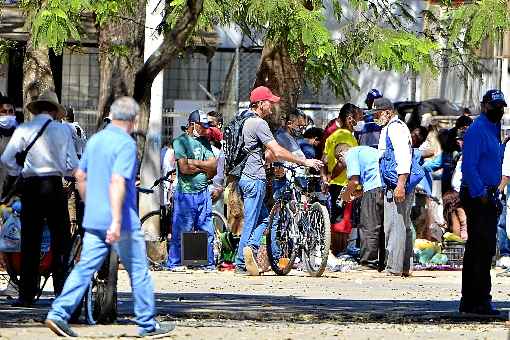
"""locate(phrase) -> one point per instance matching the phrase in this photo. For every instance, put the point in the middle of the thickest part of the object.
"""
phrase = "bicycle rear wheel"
(101, 296)
(318, 240)
(280, 244)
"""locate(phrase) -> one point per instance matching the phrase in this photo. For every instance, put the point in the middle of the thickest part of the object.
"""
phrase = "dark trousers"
(482, 220)
(372, 228)
(43, 201)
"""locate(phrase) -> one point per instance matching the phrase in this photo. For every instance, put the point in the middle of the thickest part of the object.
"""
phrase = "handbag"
(388, 166)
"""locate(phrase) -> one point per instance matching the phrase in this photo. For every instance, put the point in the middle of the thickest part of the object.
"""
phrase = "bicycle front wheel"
(318, 240)
(280, 243)
(101, 296)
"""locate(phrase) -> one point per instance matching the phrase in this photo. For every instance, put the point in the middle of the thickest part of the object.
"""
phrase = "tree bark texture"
(174, 42)
(284, 77)
(118, 70)
(37, 75)
(129, 75)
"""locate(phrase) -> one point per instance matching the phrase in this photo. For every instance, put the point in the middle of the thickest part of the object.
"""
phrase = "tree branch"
(174, 41)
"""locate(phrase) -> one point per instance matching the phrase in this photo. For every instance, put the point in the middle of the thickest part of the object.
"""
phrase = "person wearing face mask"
(347, 110)
(481, 175)
(8, 124)
(51, 157)
(334, 178)
(196, 165)
(367, 131)
(287, 137)
(397, 202)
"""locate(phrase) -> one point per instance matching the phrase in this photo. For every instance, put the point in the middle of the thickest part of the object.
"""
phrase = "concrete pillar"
(151, 161)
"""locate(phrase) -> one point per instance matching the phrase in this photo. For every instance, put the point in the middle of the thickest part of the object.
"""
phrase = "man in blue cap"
(196, 165)
(372, 95)
(481, 174)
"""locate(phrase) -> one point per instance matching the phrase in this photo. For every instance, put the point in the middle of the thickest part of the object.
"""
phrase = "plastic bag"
(10, 235)
(439, 259)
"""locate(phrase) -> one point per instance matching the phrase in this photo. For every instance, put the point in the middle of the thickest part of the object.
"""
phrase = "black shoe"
(22, 303)
(240, 271)
(160, 331)
(484, 309)
(60, 328)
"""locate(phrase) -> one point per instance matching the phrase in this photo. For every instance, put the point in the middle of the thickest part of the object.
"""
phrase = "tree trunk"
(121, 45)
(285, 78)
(37, 75)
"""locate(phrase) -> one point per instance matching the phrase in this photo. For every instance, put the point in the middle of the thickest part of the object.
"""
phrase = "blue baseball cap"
(197, 116)
(494, 97)
(374, 94)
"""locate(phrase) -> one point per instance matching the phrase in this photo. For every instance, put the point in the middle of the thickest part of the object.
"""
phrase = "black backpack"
(236, 154)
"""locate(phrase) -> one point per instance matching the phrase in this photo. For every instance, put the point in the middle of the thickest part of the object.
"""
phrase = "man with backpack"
(395, 165)
(249, 144)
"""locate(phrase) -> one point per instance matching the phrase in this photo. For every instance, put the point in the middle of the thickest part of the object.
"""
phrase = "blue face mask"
(8, 122)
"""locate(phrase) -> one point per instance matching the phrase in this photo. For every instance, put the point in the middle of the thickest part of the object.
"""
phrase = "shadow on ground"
(274, 308)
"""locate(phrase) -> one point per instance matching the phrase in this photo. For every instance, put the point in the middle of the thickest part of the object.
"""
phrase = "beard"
(495, 115)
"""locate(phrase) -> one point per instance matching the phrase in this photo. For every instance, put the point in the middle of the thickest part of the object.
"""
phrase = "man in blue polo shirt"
(481, 174)
(362, 164)
(106, 182)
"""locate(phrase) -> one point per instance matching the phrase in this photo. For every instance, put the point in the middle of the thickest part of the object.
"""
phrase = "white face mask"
(195, 132)
(359, 126)
(8, 122)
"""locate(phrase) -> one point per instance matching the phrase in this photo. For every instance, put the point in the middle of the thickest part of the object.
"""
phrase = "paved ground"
(358, 305)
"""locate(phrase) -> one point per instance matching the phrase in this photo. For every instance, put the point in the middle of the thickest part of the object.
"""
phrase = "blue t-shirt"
(110, 151)
(307, 148)
(363, 161)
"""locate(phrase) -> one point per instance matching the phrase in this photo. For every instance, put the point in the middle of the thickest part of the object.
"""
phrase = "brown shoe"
(250, 261)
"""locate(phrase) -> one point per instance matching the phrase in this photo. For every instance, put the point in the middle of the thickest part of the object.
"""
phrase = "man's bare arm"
(117, 195)
(81, 182)
(186, 167)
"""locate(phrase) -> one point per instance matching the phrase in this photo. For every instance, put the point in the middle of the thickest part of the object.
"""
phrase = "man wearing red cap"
(257, 138)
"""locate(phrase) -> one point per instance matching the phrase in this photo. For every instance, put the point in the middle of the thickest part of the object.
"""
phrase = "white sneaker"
(11, 290)
(503, 262)
(250, 261)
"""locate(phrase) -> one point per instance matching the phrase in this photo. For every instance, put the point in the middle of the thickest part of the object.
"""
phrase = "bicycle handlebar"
(294, 168)
(145, 191)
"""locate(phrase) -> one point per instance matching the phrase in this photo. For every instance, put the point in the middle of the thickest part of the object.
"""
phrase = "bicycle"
(299, 224)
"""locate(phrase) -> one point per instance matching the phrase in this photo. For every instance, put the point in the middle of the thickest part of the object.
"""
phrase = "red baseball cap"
(263, 93)
(214, 134)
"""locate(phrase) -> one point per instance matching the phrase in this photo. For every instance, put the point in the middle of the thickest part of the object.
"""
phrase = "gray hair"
(124, 108)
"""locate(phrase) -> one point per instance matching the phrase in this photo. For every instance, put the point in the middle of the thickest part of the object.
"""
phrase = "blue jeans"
(256, 215)
(131, 250)
(503, 241)
(192, 211)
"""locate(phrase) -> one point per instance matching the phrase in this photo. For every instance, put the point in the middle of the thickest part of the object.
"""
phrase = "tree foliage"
(461, 29)
(373, 32)
(381, 33)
